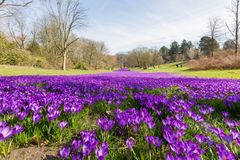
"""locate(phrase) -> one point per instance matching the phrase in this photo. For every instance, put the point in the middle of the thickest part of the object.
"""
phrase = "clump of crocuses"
(6, 132)
(153, 140)
(105, 124)
(85, 146)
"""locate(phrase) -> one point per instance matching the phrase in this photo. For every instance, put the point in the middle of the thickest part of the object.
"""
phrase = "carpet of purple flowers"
(132, 116)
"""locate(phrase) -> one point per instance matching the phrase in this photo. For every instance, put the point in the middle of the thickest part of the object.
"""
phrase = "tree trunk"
(237, 28)
(212, 47)
(64, 60)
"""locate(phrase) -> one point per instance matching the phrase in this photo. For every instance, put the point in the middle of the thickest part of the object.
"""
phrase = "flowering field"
(122, 115)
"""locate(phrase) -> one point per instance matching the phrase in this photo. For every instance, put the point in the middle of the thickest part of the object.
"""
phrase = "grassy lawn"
(235, 74)
(16, 70)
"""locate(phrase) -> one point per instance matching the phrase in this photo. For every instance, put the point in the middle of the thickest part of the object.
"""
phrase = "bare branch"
(234, 31)
(7, 9)
(231, 32)
(2, 2)
(64, 18)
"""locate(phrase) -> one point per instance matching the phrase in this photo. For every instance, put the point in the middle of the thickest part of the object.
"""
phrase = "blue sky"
(126, 24)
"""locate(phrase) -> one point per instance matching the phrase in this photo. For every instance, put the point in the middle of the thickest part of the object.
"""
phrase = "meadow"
(8, 70)
(122, 115)
(171, 68)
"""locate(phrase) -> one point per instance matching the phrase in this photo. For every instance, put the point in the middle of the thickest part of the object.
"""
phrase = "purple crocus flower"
(102, 151)
(231, 123)
(77, 156)
(179, 147)
(2, 124)
(200, 138)
(36, 118)
(150, 139)
(64, 152)
(151, 124)
(63, 124)
(224, 153)
(198, 118)
(238, 141)
(180, 125)
(168, 135)
(130, 143)
(156, 141)
(5, 132)
(210, 142)
(22, 115)
(235, 134)
(53, 115)
(170, 156)
(105, 124)
(17, 129)
(89, 141)
(225, 114)
(180, 133)
(228, 138)
(76, 144)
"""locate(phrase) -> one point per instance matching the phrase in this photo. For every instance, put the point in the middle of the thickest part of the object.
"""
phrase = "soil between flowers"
(33, 153)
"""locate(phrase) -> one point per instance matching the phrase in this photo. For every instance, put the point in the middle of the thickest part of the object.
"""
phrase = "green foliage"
(229, 45)
(10, 54)
(5, 148)
(14, 57)
(34, 48)
(173, 51)
(81, 66)
(185, 48)
(174, 48)
(4, 44)
(208, 45)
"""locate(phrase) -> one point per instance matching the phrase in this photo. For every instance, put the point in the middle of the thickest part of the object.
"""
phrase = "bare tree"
(234, 29)
(17, 30)
(156, 57)
(8, 7)
(214, 32)
(121, 60)
(68, 16)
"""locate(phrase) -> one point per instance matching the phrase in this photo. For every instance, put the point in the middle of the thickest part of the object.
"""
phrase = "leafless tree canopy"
(8, 7)
(214, 32)
(67, 16)
(18, 30)
(234, 28)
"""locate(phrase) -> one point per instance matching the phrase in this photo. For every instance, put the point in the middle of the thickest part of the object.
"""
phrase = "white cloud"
(153, 27)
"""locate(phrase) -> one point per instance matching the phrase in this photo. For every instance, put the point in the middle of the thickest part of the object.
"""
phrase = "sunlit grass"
(235, 73)
(16, 70)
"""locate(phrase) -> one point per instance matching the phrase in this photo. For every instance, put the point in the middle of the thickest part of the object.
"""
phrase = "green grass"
(234, 74)
(17, 70)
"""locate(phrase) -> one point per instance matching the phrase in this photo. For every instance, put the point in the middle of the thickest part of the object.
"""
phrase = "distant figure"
(177, 65)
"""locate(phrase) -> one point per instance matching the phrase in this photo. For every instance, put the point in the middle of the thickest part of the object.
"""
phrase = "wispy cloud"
(126, 24)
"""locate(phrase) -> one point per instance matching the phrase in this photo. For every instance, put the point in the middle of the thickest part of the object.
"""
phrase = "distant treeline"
(144, 57)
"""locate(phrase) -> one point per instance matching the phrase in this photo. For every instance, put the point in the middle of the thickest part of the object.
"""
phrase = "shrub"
(220, 61)
(81, 66)
(14, 57)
